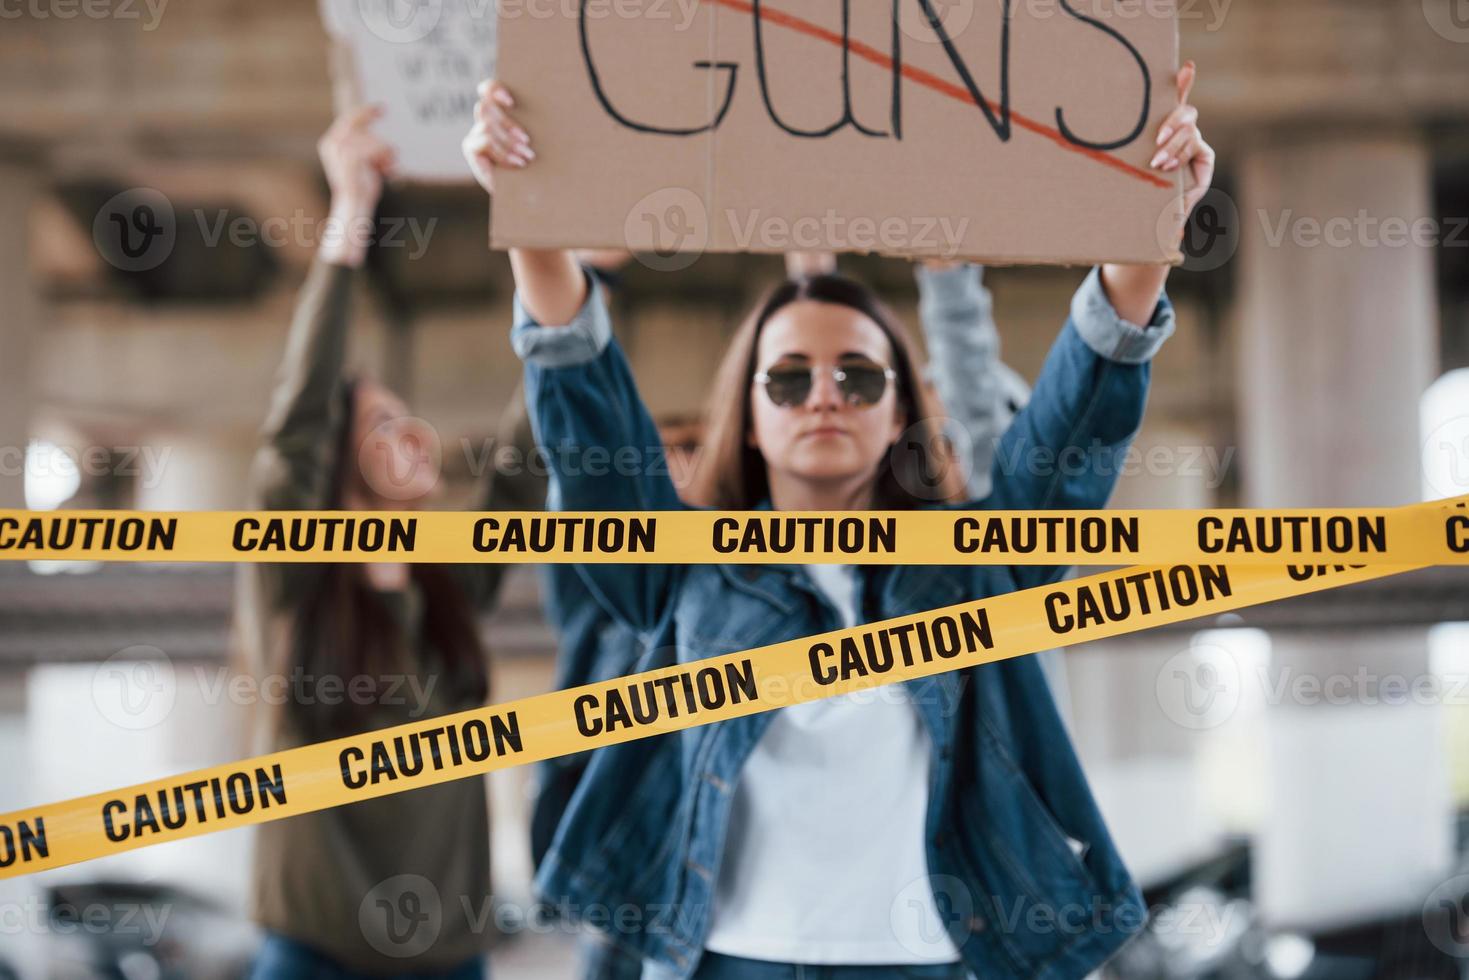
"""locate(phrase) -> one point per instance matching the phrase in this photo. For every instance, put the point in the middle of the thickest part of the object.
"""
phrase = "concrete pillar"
(194, 471)
(1146, 762)
(19, 312)
(1338, 343)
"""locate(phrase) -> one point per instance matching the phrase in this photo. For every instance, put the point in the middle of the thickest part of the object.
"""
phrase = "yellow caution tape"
(1422, 535)
(405, 757)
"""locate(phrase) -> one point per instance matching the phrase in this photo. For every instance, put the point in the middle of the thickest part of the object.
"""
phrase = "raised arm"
(512, 483)
(958, 320)
(292, 467)
(603, 451)
(1066, 447)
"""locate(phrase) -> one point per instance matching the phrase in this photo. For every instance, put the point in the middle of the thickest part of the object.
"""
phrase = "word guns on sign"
(1427, 535)
(1026, 128)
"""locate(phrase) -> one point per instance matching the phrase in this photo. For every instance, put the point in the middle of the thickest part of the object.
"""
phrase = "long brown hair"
(731, 474)
(342, 628)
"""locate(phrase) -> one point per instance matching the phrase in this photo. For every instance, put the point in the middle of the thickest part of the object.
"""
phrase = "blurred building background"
(1265, 773)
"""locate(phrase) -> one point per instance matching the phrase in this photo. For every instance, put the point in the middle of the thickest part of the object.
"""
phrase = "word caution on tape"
(1425, 535)
(686, 695)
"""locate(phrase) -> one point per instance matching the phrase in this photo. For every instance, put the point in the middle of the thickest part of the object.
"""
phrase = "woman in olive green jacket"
(398, 885)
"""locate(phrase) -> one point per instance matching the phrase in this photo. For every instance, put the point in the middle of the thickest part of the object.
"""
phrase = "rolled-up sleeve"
(1107, 333)
(553, 346)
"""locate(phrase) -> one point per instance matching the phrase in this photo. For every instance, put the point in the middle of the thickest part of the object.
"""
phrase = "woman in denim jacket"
(938, 828)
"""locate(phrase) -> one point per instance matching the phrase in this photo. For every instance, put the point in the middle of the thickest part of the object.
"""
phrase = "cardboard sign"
(1007, 131)
(421, 60)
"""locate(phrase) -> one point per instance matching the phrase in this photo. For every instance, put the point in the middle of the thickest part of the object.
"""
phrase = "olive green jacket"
(400, 883)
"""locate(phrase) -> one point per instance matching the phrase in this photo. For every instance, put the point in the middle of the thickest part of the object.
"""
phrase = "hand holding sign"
(1183, 144)
(356, 161)
(495, 140)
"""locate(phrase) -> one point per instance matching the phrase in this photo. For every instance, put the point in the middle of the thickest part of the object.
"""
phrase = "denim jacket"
(1021, 865)
(976, 389)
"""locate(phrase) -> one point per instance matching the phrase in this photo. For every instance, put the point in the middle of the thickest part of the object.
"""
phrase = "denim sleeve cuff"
(578, 342)
(948, 286)
(1111, 336)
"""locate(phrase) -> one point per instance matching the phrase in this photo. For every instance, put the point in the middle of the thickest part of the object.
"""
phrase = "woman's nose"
(824, 392)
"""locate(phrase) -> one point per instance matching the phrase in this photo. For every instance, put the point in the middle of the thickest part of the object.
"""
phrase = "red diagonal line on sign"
(930, 80)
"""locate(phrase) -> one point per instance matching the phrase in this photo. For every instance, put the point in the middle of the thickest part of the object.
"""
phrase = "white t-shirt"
(824, 859)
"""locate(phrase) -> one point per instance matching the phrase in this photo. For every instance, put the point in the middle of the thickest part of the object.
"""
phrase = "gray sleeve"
(958, 320)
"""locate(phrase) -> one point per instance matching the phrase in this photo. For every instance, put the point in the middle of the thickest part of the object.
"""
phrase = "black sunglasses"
(861, 383)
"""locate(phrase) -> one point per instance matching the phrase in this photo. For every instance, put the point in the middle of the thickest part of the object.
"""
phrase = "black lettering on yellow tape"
(1336, 535)
(783, 535)
(201, 801)
(1421, 535)
(434, 749)
(967, 635)
(1116, 599)
(22, 531)
(325, 535)
(876, 651)
(680, 695)
(553, 534)
(23, 840)
(1046, 535)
